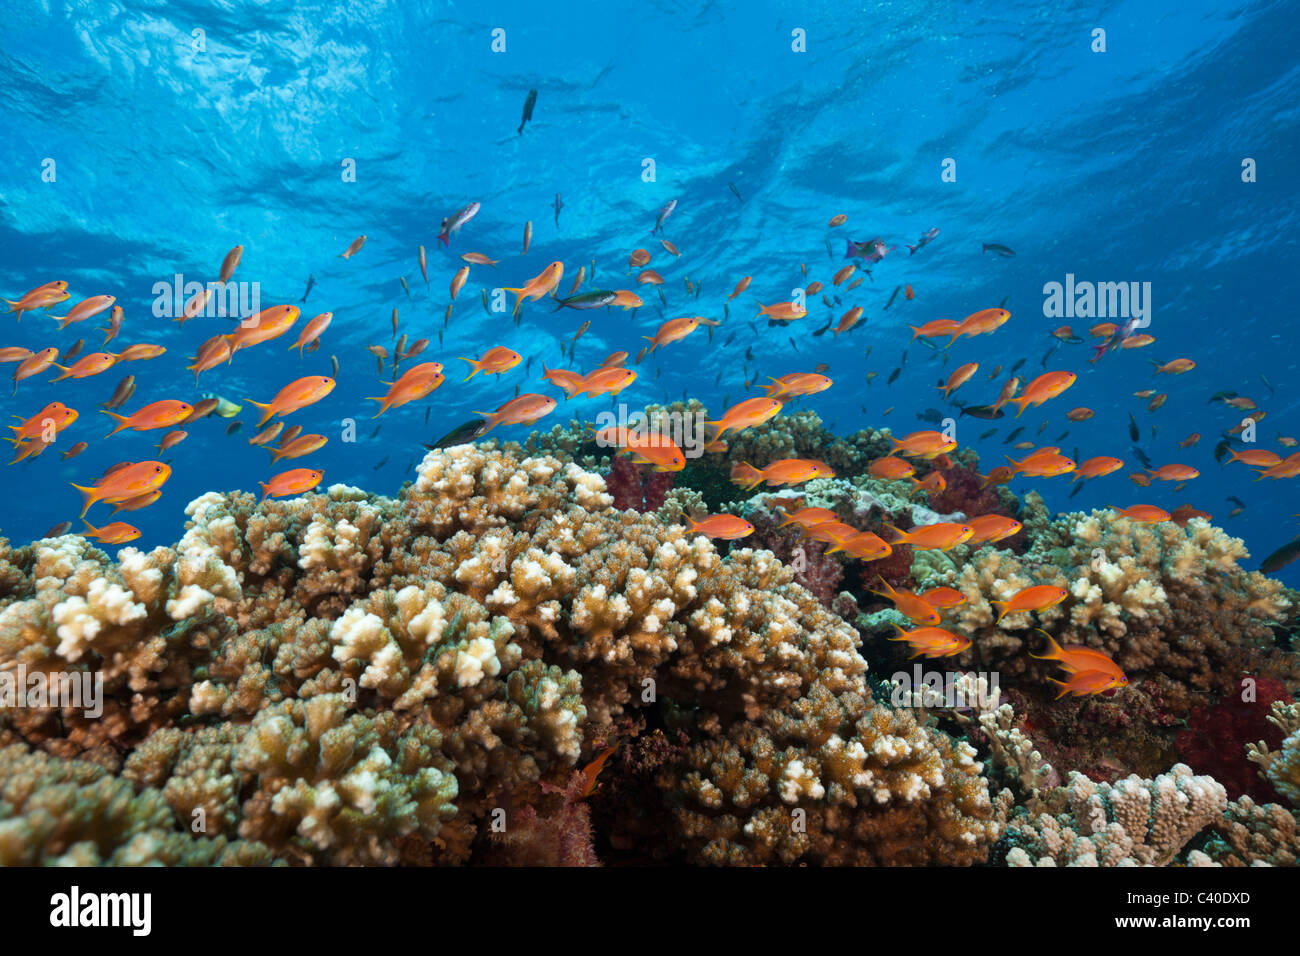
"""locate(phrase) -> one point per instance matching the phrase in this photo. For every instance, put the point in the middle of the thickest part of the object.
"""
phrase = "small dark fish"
(376, 431)
(334, 365)
(792, 345)
(381, 463)
(74, 351)
(1003, 305)
(1142, 456)
(1077, 488)
(822, 330)
(1220, 396)
(394, 323)
(1133, 432)
(557, 206)
(528, 110)
(234, 427)
(717, 381)
(657, 371)
(1014, 435)
(595, 299)
(485, 302)
(1237, 501)
(903, 359)
(1221, 451)
(462, 434)
(1281, 557)
(710, 335)
(405, 288)
(409, 465)
(726, 314)
(1063, 436)
(1048, 354)
(60, 529)
(581, 331)
(311, 284)
(121, 393)
(1041, 428)
(440, 338)
(821, 367)
(897, 289)
(829, 251)
(988, 434)
(998, 248)
(893, 376)
(735, 191)
(726, 400)
(426, 414)
(749, 354)
(1264, 378)
(986, 412)
(1014, 368)
(931, 415)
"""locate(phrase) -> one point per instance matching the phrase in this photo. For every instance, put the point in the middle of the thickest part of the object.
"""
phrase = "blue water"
(1115, 166)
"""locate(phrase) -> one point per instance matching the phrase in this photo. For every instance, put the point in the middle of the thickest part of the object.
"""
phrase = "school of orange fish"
(131, 486)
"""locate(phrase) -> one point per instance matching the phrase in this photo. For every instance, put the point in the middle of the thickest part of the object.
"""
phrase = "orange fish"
(724, 526)
(807, 517)
(85, 309)
(593, 769)
(268, 324)
(1090, 682)
(1190, 440)
(414, 384)
(1042, 465)
(908, 294)
(989, 529)
(1287, 468)
(1037, 597)
(14, 353)
(658, 451)
(495, 361)
(34, 364)
(942, 536)
(540, 285)
(944, 598)
(1137, 341)
(88, 365)
(312, 331)
(354, 248)
(1255, 457)
(143, 350)
(741, 286)
(55, 415)
(796, 384)
(958, 378)
(1103, 330)
(523, 410)
(831, 532)
(211, 354)
(1176, 367)
(669, 246)
(813, 288)
(1142, 514)
(138, 502)
(933, 483)
(864, 546)
(890, 468)
(842, 276)
(194, 307)
(1156, 402)
(626, 299)
(1075, 658)
(230, 263)
(613, 359)
(932, 641)
(1046, 386)
(478, 259)
(998, 476)
(674, 330)
(125, 480)
(910, 605)
(1079, 414)
(171, 439)
(786, 471)
(292, 482)
(848, 320)
(1185, 513)
(1174, 473)
(838, 220)
(753, 411)
(297, 447)
(1144, 393)
(638, 258)
(42, 297)
(119, 532)
(605, 381)
(1097, 467)
(571, 382)
(934, 329)
(782, 311)
(649, 277)
(980, 323)
(297, 394)
(163, 414)
(923, 444)
(458, 281)
(1139, 479)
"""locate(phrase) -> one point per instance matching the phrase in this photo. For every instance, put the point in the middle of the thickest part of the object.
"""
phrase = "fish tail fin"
(266, 489)
(267, 411)
(475, 365)
(13, 306)
(1002, 609)
(1065, 687)
(1054, 652)
(89, 527)
(122, 421)
(88, 497)
(838, 546)
(902, 535)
